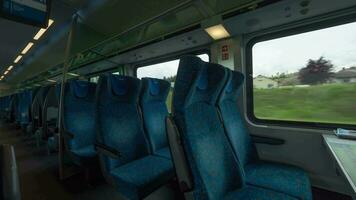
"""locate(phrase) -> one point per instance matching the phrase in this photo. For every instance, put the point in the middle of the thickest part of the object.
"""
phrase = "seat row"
(121, 121)
(16, 108)
(34, 111)
(213, 153)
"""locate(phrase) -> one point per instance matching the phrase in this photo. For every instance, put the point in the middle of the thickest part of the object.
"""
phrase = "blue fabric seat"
(143, 175)
(13, 108)
(274, 176)
(164, 152)
(214, 167)
(256, 193)
(78, 121)
(85, 152)
(284, 178)
(154, 111)
(37, 107)
(134, 171)
(24, 107)
(6, 106)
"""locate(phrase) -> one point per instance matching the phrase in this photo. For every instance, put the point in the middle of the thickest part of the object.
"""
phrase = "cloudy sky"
(165, 69)
(289, 54)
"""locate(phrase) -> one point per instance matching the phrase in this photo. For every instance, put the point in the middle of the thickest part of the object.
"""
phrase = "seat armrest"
(107, 151)
(267, 140)
(184, 176)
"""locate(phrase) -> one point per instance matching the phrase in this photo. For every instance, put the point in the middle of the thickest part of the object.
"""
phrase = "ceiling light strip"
(27, 48)
(42, 30)
(17, 59)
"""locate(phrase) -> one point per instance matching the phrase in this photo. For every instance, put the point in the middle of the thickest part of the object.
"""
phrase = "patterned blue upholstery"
(17, 112)
(5, 105)
(164, 152)
(241, 140)
(37, 106)
(24, 105)
(216, 172)
(256, 193)
(214, 168)
(282, 178)
(120, 128)
(78, 119)
(13, 108)
(154, 110)
(50, 112)
(142, 176)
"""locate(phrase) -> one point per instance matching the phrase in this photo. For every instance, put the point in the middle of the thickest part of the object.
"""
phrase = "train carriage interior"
(178, 99)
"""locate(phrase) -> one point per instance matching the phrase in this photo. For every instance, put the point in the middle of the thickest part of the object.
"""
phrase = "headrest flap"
(232, 86)
(187, 73)
(119, 85)
(79, 89)
(208, 84)
(154, 89)
(197, 81)
(123, 87)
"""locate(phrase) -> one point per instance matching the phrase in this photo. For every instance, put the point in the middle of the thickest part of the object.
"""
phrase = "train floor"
(39, 180)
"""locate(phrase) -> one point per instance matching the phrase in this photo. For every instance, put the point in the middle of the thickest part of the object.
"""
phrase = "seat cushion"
(141, 177)
(87, 151)
(164, 152)
(256, 193)
(279, 177)
(84, 156)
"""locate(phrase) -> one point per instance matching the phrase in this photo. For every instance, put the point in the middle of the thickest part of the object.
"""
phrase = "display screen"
(33, 12)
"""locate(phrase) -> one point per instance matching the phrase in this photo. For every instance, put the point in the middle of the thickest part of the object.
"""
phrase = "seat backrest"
(13, 107)
(79, 113)
(213, 165)
(6, 105)
(50, 110)
(18, 107)
(235, 128)
(37, 105)
(154, 111)
(119, 123)
(25, 102)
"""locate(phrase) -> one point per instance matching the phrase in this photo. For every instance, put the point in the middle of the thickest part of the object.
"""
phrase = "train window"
(306, 78)
(164, 70)
(94, 79)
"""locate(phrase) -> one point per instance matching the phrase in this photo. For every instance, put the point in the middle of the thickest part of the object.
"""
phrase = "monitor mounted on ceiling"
(32, 12)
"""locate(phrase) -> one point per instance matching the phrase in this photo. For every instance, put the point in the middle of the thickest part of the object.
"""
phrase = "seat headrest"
(187, 71)
(123, 87)
(208, 84)
(119, 85)
(232, 86)
(197, 81)
(154, 89)
(79, 89)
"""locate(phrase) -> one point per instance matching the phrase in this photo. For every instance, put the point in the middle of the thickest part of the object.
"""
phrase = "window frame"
(249, 71)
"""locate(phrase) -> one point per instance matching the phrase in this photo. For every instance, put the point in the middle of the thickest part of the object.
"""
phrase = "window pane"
(166, 71)
(308, 77)
(94, 79)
